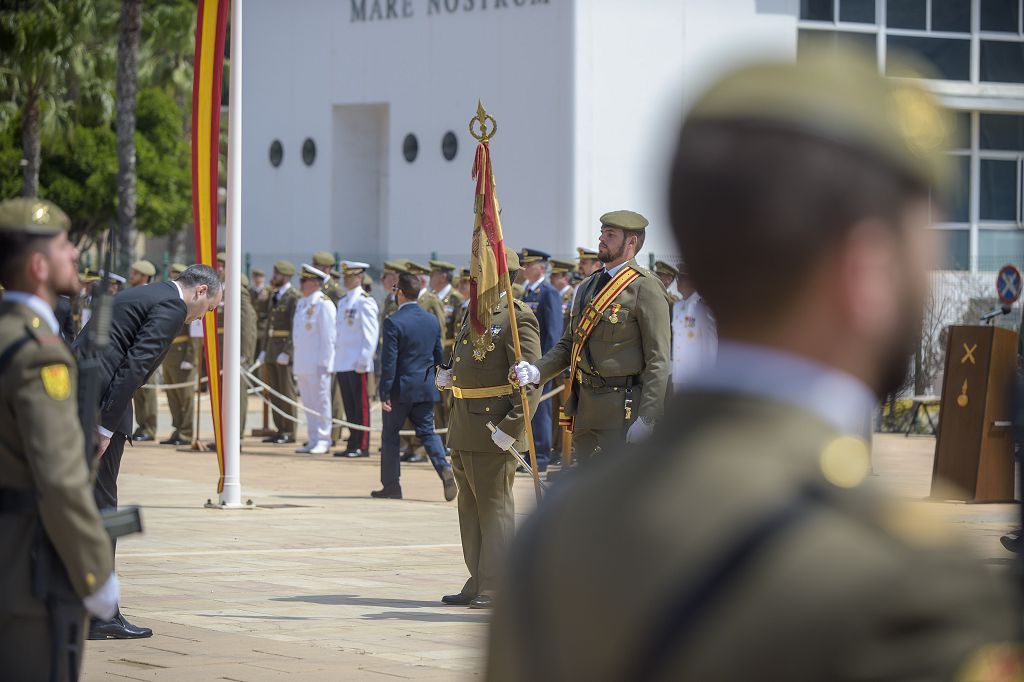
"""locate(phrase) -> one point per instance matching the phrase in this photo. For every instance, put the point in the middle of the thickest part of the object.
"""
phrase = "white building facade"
(356, 113)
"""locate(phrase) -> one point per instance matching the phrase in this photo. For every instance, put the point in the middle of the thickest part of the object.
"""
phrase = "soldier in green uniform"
(278, 352)
(617, 345)
(259, 303)
(589, 263)
(256, 286)
(746, 539)
(667, 274)
(179, 367)
(477, 380)
(428, 300)
(57, 559)
(561, 280)
(144, 401)
(441, 287)
(325, 261)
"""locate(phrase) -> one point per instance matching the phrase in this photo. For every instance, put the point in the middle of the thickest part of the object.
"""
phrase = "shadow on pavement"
(352, 600)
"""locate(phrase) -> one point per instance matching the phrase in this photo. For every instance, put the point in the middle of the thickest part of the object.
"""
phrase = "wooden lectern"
(974, 450)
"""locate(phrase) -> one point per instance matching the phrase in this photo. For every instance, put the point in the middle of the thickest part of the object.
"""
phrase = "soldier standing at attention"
(667, 275)
(451, 300)
(140, 274)
(617, 345)
(484, 469)
(561, 280)
(256, 285)
(48, 518)
(313, 333)
(278, 352)
(746, 540)
(589, 262)
(324, 261)
(357, 335)
(179, 367)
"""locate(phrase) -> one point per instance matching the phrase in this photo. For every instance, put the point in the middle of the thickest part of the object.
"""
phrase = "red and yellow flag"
(488, 268)
(211, 25)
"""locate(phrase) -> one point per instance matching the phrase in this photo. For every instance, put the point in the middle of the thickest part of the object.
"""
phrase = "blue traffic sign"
(1008, 284)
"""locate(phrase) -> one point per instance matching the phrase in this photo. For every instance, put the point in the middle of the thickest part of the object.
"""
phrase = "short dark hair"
(754, 208)
(194, 275)
(410, 285)
(641, 236)
(15, 247)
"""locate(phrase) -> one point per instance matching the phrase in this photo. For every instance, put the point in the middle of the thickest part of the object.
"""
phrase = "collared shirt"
(566, 289)
(533, 286)
(280, 291)
(36, 305)
(408, 303)
(444, 292)
(836, 397)
(181, 292)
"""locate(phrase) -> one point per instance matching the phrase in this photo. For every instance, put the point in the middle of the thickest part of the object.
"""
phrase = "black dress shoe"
(272, 439)
(450, 489)
(174, 441)
(1012, 541)
(353, 453)
(406, 456)
(142, 437)
(283, 438)
(384, 494)
(118, 628)
(456, 599)
(482, 601)
(413, 459)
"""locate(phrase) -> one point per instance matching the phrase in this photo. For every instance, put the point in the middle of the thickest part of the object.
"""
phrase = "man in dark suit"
(410, 351)
(546, 303)
(144, 322)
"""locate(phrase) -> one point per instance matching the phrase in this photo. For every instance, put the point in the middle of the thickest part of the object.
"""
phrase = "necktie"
(602, 281)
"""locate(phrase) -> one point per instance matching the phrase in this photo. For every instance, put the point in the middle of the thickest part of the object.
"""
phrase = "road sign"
(1008, 284)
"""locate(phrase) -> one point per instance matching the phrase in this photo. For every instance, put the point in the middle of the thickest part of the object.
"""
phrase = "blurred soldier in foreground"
(140, 274)
(56, 553)
(484, 469)
(743, 541)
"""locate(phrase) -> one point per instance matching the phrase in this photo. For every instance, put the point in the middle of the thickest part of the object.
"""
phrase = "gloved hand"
(282, 358)
(639, 431)
(526, 373)
(261, 357)
(502, 439)
(443, 378)
(186, 365)
(103, 602)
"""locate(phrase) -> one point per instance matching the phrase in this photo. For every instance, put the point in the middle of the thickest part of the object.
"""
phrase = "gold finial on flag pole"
(481, 119)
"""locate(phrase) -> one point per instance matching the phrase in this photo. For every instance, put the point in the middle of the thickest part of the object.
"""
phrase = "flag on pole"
(211, 25)
(488, 268)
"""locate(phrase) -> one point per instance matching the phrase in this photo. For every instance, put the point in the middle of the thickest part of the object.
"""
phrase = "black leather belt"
(595, 381)
(13, 501)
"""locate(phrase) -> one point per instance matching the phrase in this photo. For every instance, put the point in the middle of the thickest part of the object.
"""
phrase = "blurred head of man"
(534, 270)
(309, 285)
(202, 290)
(803, 211)
(684, 284)
(388, 280)
(257, 280)
(408, 287)
(45, 265)
(666, 278)
(136, 278)
(463, 287)
(559, 280)
(439, 279)
(279, 279)
(589, 266)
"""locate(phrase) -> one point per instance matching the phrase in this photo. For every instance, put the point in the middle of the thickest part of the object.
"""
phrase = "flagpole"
(231, 495)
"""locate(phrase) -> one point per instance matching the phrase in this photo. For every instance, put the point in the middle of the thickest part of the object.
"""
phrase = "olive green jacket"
(467, 424)
(637, 343)
(432, 304)
(278, 337)
(42, 451)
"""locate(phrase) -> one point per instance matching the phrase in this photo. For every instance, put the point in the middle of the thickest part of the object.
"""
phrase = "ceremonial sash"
(592, 312)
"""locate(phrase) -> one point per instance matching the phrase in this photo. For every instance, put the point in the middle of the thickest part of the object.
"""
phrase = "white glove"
(639, 431)
(261, 358)
(282, 358)
(103, 602)
(502, 439)
(527, 373)
(186, 365)
(443, 379)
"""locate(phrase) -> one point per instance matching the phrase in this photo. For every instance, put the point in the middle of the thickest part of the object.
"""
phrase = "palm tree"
(38, 54)
(126, 87)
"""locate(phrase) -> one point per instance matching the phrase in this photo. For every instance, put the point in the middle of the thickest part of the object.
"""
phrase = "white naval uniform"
(694, 339)
(313, 334)
(357, 331)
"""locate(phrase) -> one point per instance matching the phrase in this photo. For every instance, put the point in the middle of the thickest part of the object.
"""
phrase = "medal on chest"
(350, 316)
(614, 317)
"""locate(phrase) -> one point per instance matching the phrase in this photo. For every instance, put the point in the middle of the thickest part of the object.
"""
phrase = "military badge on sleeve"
(56, 381)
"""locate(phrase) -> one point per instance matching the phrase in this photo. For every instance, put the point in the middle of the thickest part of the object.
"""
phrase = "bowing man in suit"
(410, 351)
(144, 322)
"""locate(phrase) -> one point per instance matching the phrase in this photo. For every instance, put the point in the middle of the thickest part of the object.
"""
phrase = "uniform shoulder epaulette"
(522, 306)
(644, 272)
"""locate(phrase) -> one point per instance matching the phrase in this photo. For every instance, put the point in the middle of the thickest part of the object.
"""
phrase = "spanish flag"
(211, 25)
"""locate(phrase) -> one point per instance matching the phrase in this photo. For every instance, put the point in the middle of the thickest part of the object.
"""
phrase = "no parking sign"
(1008, 284)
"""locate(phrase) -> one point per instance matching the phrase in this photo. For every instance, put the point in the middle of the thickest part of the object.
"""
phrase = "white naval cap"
(351, 267)
(114, 276)
(309, 272)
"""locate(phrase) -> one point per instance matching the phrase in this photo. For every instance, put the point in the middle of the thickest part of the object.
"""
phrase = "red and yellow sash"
(592, 313)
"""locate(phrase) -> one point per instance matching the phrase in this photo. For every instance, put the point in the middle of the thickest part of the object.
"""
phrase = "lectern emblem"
(962, 399)
(969, 354)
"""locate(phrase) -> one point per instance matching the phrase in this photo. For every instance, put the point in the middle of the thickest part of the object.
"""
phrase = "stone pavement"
(319, 582)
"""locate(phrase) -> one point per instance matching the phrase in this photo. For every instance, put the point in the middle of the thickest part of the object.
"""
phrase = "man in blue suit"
(546, 303)
(410, 350)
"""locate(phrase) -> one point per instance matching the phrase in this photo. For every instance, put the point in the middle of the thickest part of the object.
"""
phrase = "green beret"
(414, 268)
(33, 216)
(257, 272)
(513, 259)
(442, 266)
(395, 266)
(561, 267)
(624, 220)
(285, 267)
(586, 254)
(178, 267)
(222, 257)
(839, 96)
(144, 267)
(663, 268)
(323, 258)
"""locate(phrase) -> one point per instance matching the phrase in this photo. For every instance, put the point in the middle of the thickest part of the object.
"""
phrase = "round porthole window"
(309, 151)
(276, 153)
(410, 147)
(449, 145)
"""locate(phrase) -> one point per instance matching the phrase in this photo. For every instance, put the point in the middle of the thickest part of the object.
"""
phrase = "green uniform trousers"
(144, 405)
(486, 515)
(26, 651)
(181, 401)
(280, 378)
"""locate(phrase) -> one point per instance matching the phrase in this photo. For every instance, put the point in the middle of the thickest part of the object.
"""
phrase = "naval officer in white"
(694, 332)
(357, 334)
(313, 334)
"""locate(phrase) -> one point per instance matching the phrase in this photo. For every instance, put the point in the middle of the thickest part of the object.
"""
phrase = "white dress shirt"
(313, 334)
(694, 338)
(36, 305)
(357, 331)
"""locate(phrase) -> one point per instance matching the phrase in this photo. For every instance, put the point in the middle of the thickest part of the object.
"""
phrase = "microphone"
(1001, 310)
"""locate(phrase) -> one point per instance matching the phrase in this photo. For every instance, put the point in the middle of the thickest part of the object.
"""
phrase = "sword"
(515, 453)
